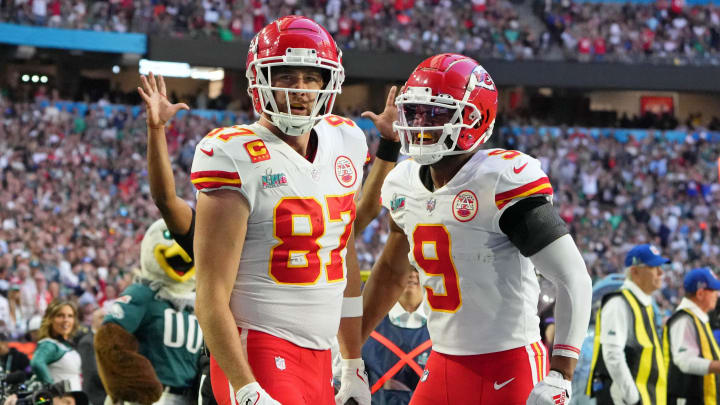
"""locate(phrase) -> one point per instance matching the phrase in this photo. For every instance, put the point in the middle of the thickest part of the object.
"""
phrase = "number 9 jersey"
(482, 292)
(291, 277)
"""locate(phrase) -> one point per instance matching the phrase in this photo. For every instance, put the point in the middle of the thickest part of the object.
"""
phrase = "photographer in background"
(12, 360)
(57, 393)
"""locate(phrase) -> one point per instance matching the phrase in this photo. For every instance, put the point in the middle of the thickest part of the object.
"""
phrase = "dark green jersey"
(171, 340)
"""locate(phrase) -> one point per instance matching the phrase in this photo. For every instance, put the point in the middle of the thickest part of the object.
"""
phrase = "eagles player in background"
(475, 223)
(178, 215)
(148, 347)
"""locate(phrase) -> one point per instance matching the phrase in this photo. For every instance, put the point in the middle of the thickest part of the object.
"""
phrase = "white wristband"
(352, 307)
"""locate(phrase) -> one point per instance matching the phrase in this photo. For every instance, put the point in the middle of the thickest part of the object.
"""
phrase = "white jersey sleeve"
(520, 176)
(213, 168)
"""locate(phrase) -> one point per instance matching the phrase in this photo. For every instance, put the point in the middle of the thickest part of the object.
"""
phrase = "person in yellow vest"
(627, 365)
(691, 353)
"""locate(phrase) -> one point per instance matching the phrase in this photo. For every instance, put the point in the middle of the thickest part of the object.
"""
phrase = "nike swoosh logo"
(357, 372)
(499, 386)
(212, 151)
(518, 170)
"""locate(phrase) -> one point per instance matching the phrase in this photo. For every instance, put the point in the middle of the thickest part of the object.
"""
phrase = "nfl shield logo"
(430, 205)
(280, 363)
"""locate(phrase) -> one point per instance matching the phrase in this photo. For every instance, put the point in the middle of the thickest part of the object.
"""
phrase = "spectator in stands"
(404, 329)
(55, 359)
(694, 356)
(17, 321)
(627, 328)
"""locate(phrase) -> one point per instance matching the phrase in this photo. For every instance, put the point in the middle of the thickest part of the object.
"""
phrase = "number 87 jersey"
(291, 275)
(482, 292)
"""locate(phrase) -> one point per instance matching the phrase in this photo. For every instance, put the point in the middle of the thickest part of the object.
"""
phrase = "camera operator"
(12, 360)
(57, 393)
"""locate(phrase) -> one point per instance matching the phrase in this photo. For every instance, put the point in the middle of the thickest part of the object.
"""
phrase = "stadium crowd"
(635, 32)
(628, 33)
(74, 201)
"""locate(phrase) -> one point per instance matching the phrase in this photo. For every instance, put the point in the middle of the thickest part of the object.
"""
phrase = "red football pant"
(505, 377)
(291, 374)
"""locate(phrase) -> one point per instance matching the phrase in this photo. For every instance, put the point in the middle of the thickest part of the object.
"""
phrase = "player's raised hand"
(253, 394)
(159, 109)
(384, 121)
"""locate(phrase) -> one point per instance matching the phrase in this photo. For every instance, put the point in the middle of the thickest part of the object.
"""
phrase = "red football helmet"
(451, 94)
(293, 41)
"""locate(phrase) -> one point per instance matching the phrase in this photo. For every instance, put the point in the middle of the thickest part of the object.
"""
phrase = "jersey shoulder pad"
(229, 135)
(397, 184)
(136, 294)
(518, 176)
(213, 167)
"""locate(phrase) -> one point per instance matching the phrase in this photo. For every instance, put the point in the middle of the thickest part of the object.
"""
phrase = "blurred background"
(619, 101)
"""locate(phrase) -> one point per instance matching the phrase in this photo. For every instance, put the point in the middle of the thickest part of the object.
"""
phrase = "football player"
(275, 212)
(179, 216)
(476, 223)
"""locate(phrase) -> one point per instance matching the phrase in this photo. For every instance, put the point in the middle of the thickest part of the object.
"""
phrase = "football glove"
(554, 389)
(353, 383)
(253, 394)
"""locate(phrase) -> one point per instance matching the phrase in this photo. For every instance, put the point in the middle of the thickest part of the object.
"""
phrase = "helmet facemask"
(427, 144)
(259, 74)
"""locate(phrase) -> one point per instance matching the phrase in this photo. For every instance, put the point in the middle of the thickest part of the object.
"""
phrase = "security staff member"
(627, 365)
(690, 348)
(398, 348)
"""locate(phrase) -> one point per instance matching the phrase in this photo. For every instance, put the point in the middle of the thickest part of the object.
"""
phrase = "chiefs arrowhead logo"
(345, 171)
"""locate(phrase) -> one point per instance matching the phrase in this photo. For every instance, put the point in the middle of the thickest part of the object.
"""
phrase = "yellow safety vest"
(644, 355)
(701, 389)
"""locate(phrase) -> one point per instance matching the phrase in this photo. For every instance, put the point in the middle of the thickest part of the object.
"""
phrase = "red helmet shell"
(449, 74)
(290, 32)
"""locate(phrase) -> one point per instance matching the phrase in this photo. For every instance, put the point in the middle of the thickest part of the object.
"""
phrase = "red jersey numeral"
(431, 249)
(298, 224)
(505, 154)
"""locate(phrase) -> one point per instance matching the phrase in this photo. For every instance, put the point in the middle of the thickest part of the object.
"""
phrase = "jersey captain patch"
(465, 206)
(345, 171)
(257, 151)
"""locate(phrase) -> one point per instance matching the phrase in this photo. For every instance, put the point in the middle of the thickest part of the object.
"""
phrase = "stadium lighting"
(35, 78)
(116, 69)
(204, 73)
(26, 78)
(43, 79)
(168, 69)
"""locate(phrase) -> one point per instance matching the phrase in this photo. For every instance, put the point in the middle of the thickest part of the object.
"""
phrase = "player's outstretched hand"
(253, 394)
(554, 389)
(384, 121)
(158, 107)
(353, 383)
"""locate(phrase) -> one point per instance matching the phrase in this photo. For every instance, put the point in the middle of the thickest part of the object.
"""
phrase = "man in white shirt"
(691, 350)
(625, 333)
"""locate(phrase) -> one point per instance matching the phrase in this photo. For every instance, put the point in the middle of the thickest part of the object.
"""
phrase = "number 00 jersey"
(291, 277)
(482, 292)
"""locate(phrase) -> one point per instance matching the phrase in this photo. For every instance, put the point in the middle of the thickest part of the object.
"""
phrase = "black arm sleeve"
(531, 224)
(186, 241)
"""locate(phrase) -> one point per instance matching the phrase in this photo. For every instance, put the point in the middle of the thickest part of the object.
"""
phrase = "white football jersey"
(481, 291)
(291, 277)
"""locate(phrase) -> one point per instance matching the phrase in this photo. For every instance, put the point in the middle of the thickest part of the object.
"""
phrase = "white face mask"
(429, 126)
(260, 71)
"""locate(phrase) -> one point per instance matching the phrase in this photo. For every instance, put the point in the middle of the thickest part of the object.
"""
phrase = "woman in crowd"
(55, 358)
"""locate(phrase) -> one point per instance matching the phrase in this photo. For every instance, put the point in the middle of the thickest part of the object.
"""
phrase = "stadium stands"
(637, 31)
